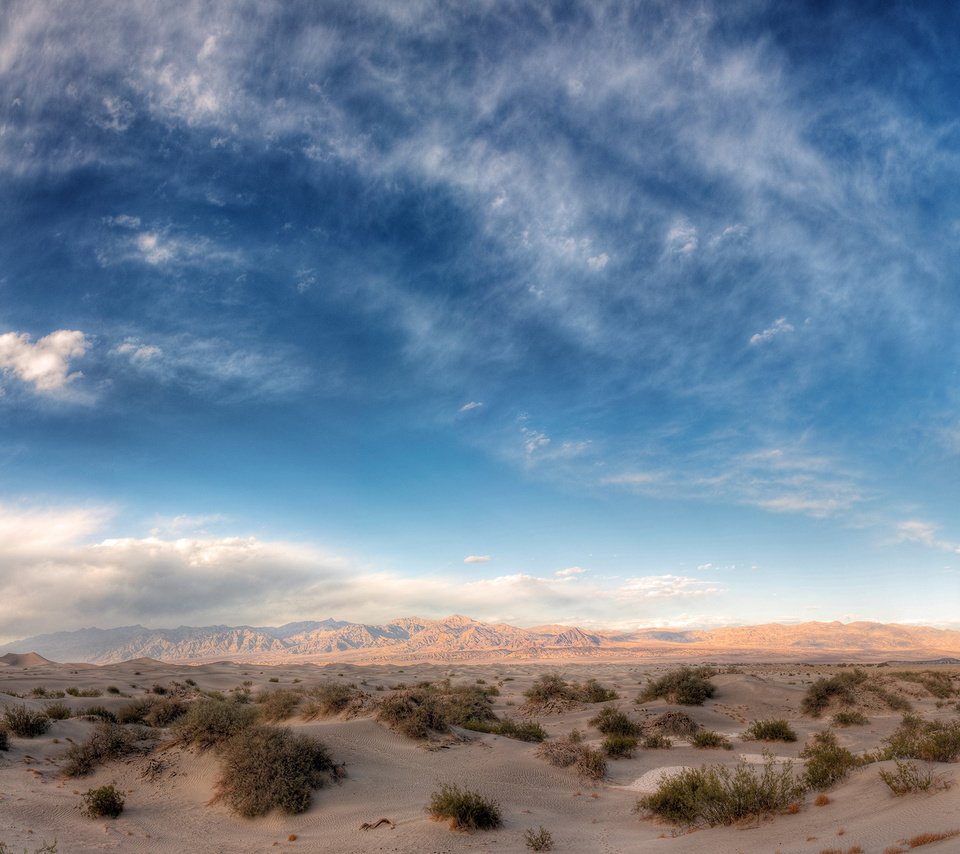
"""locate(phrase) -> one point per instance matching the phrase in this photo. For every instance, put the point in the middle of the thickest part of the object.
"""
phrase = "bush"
(4, 740)
(105, 802)
(278, 705)
(853, 718)
(208, 722)
(562, 752)
(98, 712)
(509, 728)
(539, 839)
(657, 742)
(327, 699)
(937, 682)
(719, 795)
(776, 730)
(107, 741)
(620, 746)
(827, 763)
(24, 722)
(593, 692)
(709, 740)
(267, 767)
(591, 764)
(839, 687)
(932, 741)
(687, 687)
(610, 721)
(907, 778)
(84, 692)
(433, 707)
(549, 688)
(675, 723)
(58, 711)
(464, 809)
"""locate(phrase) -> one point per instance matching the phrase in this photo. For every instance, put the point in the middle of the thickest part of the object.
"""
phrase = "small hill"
(23, 659)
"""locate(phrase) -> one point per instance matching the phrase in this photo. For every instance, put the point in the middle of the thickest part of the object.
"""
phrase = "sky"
(607, 314)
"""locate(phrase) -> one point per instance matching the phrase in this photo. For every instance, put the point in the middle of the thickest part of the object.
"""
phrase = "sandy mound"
(24, 659)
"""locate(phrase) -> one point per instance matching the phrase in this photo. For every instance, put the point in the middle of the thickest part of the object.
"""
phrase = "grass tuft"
(773, 730)
(464, 809)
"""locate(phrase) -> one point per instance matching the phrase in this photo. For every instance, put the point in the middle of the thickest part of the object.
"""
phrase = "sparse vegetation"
(717, 794)
(24, 722)
(827, 763)
(687, 686)
(433, 707)
(936, 682)
(209, 722)
(84, 692)
(537, 840)
(58, 711)
(107, 741)
(591, 764)
(932, 741)
(328, 699)
(464, 809)
(657, 742)
(562, 752)
(104, 802)
(674, 723)
(508, 727)
(4, 740)
(710, 740)
(552, 691)
(611, 721)
(850, 718)
(908, 778)
(592, 691)
(619, 746)
(278, 705)
(100, 712)
(772, 730)
(269, 767)
(839, 687)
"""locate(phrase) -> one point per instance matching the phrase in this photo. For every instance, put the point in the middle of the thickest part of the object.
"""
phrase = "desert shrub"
(774, 730)
(267, 767)
(113, 689)
(327, 699)
(839, 687)
(100, 712)
(562, 752)
(610, 721)
(464, 809)
(273, 679)
(25, 722)
(932, 741)
(687, 686)
(619, 746)
(539, 839)
(105, 802)
(208, 722)
(936, 682)
(893, 700)
(45, 848)
(827, 763)
(107, 741)
(850, 718)
(42, 693)
(84, 692)
(710, 740)
(674, 723)
(591, 764)
(592, 691)
(4, 740)
(164, 711)
(433, 707)
(192, 683)
(508, 727)
(548, 688)
(908, 777)
(58, 711)
(278, 705)
(717, 794)
(657, 742)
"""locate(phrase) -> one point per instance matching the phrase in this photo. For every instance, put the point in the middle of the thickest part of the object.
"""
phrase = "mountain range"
(459, 638)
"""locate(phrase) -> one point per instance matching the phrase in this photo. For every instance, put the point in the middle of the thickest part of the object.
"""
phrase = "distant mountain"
(459, 638)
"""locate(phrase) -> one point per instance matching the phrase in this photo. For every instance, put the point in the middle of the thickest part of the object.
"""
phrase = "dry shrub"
(910, 778)
(821, 800)
(25, 722)
(465, 810)
(433, 707)
(591, 764)
(710, 740)
(687, 686)
(932, 741)
(562, 752)
(773, 730)
(538, 840)
(840, 688)
(929, 838)
(269, 767)
(611, 721)
(674, 723)
(278, 705)
(58, 711)
(107, 741)
(104, 802)
(209, 722)
(329, 699)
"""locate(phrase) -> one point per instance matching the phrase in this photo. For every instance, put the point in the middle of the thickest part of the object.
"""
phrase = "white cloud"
(46, 363)
(704, 566)
(598, 262)
(780, 327)
(476, 559)
(667, 587)
(925, 533)
(473, 404)
(138, 353)
(682, 237)
(569, 572)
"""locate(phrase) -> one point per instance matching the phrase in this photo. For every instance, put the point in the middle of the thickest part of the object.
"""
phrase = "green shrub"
(278, 705)
(84, 692)
(539, 839)
(620, 746)
(548, 688)
(42, 693)
(208, 722)
(58, 711)
(657, 742)
(105, 802)
(592, 691)
(774, 730)
(687, 687)
(509, 728)
(610, 721)
(25, 722)
(717, 794)
(107, 741)
(827, 763)
(907, 778)
(851, 718)
(894, 701)
(465, 810)
(932, 741)
(709, 740)
(327, 699)
(839, 687)
(100, 712)
(433, 707)
(267, 767)
(937, 682)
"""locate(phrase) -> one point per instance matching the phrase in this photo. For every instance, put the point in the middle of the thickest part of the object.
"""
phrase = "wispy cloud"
(925, 533)
(467, 407)
(44, 364)
(477, 559)
(779, 327)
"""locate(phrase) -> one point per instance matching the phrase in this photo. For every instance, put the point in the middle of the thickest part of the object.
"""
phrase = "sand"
(169, 795)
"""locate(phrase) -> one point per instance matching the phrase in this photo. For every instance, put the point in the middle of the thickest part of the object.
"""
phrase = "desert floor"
(171, 807)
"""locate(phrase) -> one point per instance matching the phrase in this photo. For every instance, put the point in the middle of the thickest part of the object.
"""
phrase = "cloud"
(473, 404)
(569, 572)
(667, 587)
(925, 533)
(780, 327)
(682, 238)
(138, 353)
(476, 559)
(598, 262)
(45, 364)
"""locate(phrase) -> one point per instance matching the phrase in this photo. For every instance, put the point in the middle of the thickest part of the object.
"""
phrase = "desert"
(387, 766)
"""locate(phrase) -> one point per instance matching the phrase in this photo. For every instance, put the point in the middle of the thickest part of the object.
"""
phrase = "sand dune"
(169, 793)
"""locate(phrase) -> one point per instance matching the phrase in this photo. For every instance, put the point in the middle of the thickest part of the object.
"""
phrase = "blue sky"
(610, 314)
